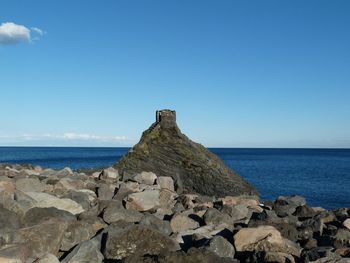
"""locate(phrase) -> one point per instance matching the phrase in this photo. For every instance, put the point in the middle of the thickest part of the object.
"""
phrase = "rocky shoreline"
(64, 216)
(168, 200)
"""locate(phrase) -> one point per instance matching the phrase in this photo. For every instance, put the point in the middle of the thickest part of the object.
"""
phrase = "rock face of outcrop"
(165, 151)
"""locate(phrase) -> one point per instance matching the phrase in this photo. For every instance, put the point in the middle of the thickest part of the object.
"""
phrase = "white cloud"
(11, 33)
(37, 30)
(69, 136)
(91, 137)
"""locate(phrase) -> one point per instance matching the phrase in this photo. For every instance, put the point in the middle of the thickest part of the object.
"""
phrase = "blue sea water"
(320, 175)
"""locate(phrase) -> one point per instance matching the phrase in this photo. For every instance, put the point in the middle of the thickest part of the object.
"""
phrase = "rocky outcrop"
(165, 151)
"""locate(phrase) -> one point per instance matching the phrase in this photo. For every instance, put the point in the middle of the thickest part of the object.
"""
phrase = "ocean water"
(322, 176)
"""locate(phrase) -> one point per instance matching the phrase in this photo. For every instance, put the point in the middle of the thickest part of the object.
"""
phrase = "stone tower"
(166, 118)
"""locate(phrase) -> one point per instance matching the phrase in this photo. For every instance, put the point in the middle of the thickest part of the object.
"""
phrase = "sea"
(322, 176)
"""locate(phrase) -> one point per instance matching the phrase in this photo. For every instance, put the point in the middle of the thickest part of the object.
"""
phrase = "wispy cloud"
(11, 33)
(69, 136)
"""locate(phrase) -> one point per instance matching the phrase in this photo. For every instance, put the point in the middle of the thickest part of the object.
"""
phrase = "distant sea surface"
(322, 176)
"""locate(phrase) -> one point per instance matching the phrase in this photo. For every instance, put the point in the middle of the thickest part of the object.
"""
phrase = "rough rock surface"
(87, 251)
(264, 238)
(47, 200)
(181, 223)
(143, 201)
(200, 228)
(221, 247)
(165, 151)
(131, 241)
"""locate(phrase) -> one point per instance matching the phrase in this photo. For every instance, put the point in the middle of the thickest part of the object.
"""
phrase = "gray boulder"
(38, 215)
(106, 191)
(214, 217)
(221, 247)
(285, 206)
(87, 251)
(238, 213)
(78, 232)
(156, 223)
(45, 237)
(115, 211)
(8, 220)
(136, 240)
(29, 185)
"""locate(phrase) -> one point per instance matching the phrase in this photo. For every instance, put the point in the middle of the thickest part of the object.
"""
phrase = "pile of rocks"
(64, 216)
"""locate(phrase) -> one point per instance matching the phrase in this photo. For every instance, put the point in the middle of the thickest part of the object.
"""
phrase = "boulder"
(47, 200)
(7, 189)
(147, 178)
(156, 223)
(65, 172)
(165, 151)
(181, 222)
(221, 247)
(342, 238)
(106, 191)
(95, 223)
(341, 214)
(304, 212)
(85, 197)
(69, 183)
(78, 232)
(136, 240)
(38, 215)
(315, 224)
(29, 185)
(143, 201)
(285, 206)
(87, 251)
(43, 238)
(126, 188)
(110, 174)
(240, 200)
(264, 238)
(317, 253)
(166, 182)
(203, 232)
(346, 223)
(238, 213)
(115, 212)
(8, 220)
(166, 201)
(16, 253)
(214, 217)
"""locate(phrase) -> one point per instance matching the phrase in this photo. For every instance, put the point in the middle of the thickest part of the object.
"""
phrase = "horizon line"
(211, 147)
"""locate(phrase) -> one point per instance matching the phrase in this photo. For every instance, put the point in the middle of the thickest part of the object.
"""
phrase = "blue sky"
(238, 73)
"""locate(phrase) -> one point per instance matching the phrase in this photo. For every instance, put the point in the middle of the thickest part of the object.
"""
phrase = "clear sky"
(238, 73)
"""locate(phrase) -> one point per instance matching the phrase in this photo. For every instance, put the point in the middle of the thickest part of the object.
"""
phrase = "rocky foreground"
(168, 200)
(64, 216)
